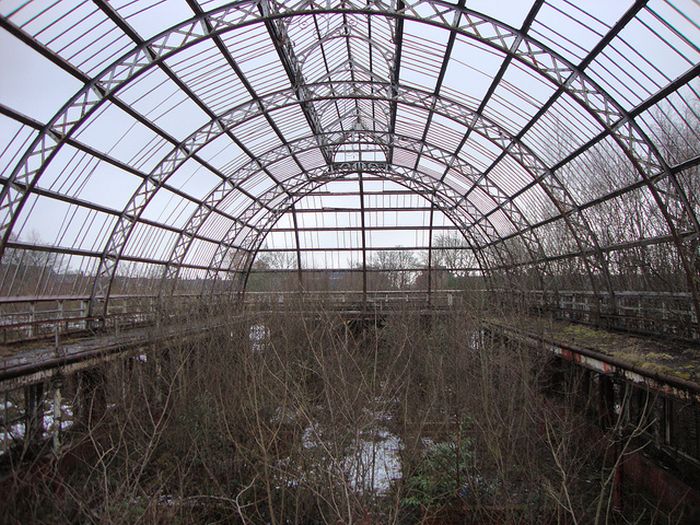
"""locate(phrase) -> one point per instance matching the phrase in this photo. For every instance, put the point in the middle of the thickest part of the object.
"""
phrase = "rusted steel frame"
(303, 142)
(418, 227)
(352, 249)
(627, 122)
(436, 92)
(554, 97)
(104, 269)
(601, 363)
(395, 73)
(615, 247)
(485, 270)
(357, 270)
(273, 220)
(364, 236)
(335, 209)
(14, 372)
(80, 252)
(336, 176)
(690, 163)
(296, 79)
(46, 129)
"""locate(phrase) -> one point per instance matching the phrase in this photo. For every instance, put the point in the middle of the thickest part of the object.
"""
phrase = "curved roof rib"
(524, 127)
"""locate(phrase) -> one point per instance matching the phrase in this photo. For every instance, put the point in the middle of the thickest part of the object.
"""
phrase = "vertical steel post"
(32, 319)
(33, 414)
(92, 401)
(56, 385)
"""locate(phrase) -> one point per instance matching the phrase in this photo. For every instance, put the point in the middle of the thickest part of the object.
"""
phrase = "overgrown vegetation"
(292, 425)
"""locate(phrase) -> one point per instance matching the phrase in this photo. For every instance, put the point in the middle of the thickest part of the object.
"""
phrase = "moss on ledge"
(673, 358)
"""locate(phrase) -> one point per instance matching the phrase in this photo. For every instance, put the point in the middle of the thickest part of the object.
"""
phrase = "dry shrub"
(229, 429)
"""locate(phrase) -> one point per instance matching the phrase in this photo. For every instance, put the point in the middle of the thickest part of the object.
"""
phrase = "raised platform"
(37, 361)
(671, 367)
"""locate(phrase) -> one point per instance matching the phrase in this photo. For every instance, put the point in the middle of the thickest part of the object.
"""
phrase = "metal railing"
(377, 300)
(31, 318)
(649, 313)
(643, 312)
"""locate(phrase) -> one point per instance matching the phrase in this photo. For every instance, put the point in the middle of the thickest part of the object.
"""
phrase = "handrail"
(24, 318)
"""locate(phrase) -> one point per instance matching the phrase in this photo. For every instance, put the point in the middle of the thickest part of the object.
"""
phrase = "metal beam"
(617, 123)
(395, 74)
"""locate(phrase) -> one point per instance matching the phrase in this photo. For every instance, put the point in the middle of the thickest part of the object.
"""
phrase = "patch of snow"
(166, 500)
(16, 431)
(49, 423)
(282, 415)
(311, 437)
(258, 334)
(375, 464)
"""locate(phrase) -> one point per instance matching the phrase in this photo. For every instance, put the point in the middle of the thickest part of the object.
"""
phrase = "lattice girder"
(489, 232)
(566, 78)
(250, 110)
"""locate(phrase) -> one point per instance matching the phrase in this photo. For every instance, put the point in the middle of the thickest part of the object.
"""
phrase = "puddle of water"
(373, 460)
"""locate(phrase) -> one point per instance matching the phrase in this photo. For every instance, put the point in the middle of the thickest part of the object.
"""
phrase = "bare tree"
(395, 266)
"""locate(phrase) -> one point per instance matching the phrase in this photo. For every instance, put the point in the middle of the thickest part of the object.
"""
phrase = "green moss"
(585, 336)
(656, 356)
(671, 359)
(651, 361)
(658, 368)
(578, 330)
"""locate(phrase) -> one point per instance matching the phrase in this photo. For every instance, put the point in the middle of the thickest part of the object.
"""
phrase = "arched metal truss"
(578, 148)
